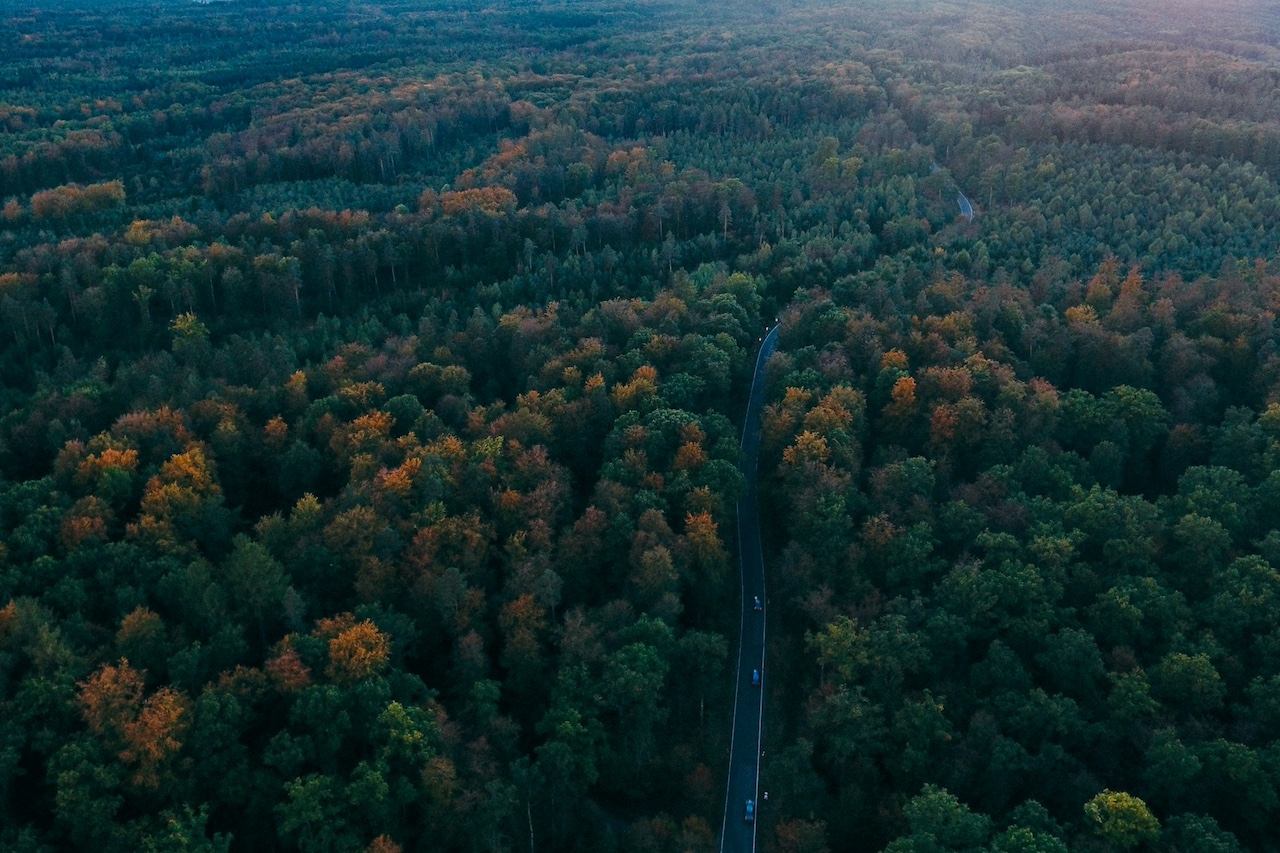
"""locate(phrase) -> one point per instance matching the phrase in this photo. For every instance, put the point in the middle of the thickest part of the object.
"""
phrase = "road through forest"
(736, 834)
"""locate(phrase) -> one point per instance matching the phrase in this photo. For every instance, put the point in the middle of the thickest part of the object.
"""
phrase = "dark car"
(755, 678)
(755, 602)
(750, 815)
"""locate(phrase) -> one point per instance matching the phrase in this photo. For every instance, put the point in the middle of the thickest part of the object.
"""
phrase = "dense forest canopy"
(372, 377)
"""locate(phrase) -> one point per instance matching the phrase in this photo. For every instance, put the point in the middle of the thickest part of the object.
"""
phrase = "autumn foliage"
(372, 381)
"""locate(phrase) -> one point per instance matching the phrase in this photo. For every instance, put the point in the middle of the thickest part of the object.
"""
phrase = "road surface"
(736, 835)
(966, 209)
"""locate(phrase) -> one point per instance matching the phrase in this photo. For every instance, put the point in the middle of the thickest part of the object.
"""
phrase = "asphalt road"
(737, 835)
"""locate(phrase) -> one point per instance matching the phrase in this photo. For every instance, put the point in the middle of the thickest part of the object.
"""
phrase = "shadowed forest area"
(371, 382)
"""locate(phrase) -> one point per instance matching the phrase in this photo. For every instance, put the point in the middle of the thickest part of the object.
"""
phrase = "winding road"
(738, 835)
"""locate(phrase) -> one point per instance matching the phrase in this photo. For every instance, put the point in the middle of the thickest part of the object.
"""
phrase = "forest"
(372, 378)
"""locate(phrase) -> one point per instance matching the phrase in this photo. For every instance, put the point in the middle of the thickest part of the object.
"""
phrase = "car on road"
(755, 600)
(750, 815)
(755, 678)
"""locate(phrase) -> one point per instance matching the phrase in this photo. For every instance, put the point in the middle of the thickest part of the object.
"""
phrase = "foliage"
(371, 379)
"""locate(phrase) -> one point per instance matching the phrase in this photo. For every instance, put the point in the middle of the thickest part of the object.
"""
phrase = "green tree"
(1121, 820)
(1200, 833)
(1171, 769)
(939, 822)
(1188, 682)
(632, 685)
(1020, 839)
(256, 583)
(183, 831)
(314, 819)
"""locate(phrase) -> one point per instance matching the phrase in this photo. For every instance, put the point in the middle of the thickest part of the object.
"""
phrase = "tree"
(632, 686)
(256, 582)
(1120, 819)
(1019, 839)
(156, 735)
(1171, 769)
(801, 836)
(110, 698)
(183, 831)
(938, 821)
(1189, 682)
(702, 655)
(523, 621)
(842, 649)
(1188, 832)
(148, 733)
(182, 505)
(313, 818)
(357, 651)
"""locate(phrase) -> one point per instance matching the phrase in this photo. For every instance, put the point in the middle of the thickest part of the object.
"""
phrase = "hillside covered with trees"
(372, 378)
